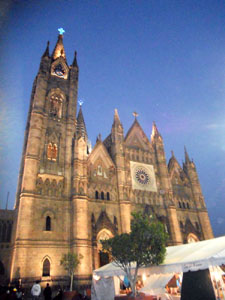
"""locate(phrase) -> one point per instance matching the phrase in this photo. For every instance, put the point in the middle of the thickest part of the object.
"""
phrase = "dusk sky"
(164, 59)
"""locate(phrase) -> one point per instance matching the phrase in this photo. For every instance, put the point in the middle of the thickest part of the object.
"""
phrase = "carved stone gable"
(136, 138)
(100, 164)
(103, 222)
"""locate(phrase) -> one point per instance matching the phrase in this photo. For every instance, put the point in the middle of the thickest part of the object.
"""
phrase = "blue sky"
(163, 59)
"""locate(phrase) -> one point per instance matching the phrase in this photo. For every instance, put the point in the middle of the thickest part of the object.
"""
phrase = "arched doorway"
(104, 258)
(46, 268)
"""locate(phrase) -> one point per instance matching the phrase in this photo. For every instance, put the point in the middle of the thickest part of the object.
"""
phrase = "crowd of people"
(35, 293)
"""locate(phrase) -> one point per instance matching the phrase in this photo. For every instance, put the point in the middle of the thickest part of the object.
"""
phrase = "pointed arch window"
(107, 196)
(55, 109)
(48, 224)
(2, 269)
(96, 194)
(197, 226)
(181, 225)
(46, 268)
(4, 228)
(102, 195)
(9, 231)
(52, 151)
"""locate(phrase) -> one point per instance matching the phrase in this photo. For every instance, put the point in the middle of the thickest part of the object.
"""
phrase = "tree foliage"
(144, 245)
(70, 262)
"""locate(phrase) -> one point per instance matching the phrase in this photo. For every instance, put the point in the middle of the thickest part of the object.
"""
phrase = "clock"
(59, 71)
(143, 176)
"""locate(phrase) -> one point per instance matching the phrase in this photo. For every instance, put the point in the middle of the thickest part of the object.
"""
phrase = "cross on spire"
(80, 102)
(135, 114)
(61, 30)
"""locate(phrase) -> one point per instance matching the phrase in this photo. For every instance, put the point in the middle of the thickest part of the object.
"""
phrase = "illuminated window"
(55, 109)
(48, 224)
(52, 151)
(46, 268)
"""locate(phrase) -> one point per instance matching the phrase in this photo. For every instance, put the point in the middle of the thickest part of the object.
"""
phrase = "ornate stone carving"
(49, 185)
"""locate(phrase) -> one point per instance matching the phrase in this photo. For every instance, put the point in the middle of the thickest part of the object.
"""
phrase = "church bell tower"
(44, 188)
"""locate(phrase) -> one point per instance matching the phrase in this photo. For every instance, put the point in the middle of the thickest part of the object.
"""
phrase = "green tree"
(70, 262)
(144, 245)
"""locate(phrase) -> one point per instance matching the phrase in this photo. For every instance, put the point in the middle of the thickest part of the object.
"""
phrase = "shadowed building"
(69, 197)
(7, 218)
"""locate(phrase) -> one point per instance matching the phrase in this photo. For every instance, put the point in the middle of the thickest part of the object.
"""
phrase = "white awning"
(182, 258)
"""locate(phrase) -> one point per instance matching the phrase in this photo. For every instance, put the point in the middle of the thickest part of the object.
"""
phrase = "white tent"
(182, 258)
(179, 259)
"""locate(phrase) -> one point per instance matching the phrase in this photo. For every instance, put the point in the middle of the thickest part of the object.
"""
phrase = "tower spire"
(59, 47)
(116, 117)
(187, 159)
(46, 53)
(81, 127)
(7, 201)
(155, 133)
(74, 64)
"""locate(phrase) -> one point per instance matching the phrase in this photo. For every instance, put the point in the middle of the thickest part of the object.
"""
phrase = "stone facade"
(69, 197)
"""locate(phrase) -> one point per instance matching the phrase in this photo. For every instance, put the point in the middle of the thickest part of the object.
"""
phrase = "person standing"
(36, 290)
(48, 292)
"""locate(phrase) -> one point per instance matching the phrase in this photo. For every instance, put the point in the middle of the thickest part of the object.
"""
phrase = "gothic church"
(70, 196)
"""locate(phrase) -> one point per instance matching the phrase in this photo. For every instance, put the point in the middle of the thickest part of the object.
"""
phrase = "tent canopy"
(182, 258)
(156, 283)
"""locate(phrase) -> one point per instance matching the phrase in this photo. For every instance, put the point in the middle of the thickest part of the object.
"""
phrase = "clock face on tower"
(59, 71)
(143, 176)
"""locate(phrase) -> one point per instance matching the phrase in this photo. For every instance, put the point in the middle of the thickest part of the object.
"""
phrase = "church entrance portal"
(103, 256)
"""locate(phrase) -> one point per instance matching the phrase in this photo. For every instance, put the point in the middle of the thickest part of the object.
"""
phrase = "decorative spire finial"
(135, 114)
(61, 30)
